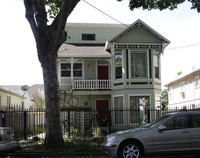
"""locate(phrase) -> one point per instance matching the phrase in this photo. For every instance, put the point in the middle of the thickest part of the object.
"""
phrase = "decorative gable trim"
(140, 23)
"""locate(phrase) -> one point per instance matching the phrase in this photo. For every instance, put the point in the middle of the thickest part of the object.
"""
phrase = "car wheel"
(130, 149)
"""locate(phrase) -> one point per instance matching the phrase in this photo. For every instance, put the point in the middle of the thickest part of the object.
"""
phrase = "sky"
(19, 64)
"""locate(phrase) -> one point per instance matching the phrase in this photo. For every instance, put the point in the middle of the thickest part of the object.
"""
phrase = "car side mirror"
(161, 128)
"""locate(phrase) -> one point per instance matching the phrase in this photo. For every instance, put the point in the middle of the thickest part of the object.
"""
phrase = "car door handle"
(186, 131)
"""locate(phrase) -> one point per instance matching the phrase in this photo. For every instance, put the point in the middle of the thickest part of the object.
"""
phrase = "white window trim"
(115, 96)
(147, 63)
(196, 78)
(122, 65)
(72, 75)
(136, 95)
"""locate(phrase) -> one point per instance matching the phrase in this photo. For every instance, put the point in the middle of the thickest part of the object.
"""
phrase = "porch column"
(72, 75)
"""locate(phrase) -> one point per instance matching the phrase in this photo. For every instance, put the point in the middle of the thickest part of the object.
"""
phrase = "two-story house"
(110, 66)
(10, 99)
(184, 92)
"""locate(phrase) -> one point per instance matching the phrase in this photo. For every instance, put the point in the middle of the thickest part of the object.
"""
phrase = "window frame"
(64, 70)
(196, 81)
(118, 53)
(188, 122)
(121, 108)
(78, 70)
(131, 63)
(88, 37)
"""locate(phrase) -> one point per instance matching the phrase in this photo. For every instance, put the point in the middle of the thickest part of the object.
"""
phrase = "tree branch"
(30, 17)
(58, 25)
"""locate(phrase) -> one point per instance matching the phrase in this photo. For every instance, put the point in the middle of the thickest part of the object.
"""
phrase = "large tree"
(50, 37)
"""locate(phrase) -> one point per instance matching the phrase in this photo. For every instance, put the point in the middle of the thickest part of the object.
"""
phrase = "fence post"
(25, 125)
(109, 121)
(3, 116)
(68, 124)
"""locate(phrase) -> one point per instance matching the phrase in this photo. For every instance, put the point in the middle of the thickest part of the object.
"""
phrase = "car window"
(195, 120)
(177, 122)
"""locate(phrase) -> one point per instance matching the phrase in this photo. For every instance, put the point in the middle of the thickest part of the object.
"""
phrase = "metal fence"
(31, 123)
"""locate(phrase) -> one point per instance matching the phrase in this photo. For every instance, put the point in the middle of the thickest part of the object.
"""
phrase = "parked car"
(6, 139)
(171, 133)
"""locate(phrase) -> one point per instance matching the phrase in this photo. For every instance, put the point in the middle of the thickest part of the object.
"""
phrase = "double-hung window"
(156, 65)
(65, 69)
(118, 107)
(138, 64)
(196, 81)
(118, 65)
(77, 70)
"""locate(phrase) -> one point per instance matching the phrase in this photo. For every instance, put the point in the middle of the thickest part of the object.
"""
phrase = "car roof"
(184, 112)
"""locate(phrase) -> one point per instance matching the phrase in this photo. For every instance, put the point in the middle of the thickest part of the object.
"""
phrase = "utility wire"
(167, 49)
(180, 47)
(105, 13)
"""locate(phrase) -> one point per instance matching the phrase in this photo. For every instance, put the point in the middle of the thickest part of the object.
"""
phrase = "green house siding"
(10, 98)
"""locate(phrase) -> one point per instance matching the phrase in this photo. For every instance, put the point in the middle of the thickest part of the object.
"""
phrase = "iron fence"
(31, 123)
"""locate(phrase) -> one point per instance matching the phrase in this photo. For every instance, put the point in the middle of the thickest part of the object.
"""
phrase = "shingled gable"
(139, 32)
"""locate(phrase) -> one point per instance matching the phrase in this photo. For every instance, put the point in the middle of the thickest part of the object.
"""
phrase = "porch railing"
(91, 84)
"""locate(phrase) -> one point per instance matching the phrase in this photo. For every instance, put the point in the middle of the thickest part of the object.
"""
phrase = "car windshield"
(156, 121)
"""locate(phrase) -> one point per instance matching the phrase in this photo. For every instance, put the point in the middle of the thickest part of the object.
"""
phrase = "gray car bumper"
(6, 146)
(111, 151)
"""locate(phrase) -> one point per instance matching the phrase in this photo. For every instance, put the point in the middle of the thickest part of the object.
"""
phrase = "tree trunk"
(54, 138)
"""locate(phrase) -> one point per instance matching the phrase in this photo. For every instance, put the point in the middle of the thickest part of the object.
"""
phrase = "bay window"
(138, 64)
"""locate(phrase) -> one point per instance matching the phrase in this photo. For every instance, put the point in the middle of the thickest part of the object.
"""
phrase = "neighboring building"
(28, 95)
(113, 74)
(10, 99)
(184, 92)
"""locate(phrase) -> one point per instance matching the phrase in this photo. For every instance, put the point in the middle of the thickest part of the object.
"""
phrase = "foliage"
(164, 98)
(161, 4)
(179, 73)
(39, 101)
(73, 145)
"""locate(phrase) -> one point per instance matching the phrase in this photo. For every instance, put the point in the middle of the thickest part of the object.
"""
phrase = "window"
(171, 93)
(88, 37)
(135, 108)
(118, 103)
(156, 66)
(77, 70)
(196, 81)
(177, 122)
(65, 69)
(195, 120)
(8, 100)
(138, 64)
(182, 85)
(118, 65)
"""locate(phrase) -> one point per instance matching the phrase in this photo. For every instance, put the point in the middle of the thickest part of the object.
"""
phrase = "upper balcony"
(91, 84)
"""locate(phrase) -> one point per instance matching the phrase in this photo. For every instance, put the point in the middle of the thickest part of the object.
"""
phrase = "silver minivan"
(172, 133)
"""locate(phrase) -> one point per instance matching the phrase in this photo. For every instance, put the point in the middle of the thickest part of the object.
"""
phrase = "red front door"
(103, 72)
(102, 112)
(103, 75)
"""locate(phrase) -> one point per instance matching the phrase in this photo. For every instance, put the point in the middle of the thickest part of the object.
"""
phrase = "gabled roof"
(140, 23)
(182, 76)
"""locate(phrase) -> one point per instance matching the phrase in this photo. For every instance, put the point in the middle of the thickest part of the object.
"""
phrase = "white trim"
(123, 105)
(147, 62)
